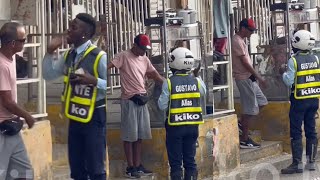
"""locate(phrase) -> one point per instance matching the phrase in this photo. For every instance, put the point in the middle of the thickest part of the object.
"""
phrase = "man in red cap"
(134, 66)
(252, 98)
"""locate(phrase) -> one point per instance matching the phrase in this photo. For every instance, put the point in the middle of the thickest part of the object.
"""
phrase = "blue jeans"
(87, 147)
(303, 110)
(181, 147)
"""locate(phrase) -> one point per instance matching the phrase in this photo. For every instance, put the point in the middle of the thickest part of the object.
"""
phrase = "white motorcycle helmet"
(181, 59)
(303, 40)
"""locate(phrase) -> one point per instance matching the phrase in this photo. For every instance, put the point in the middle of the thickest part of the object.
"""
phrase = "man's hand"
(196, 70)
(55, 43)
(30, 121)
(282, 69)
(263, 83)
(85, 78)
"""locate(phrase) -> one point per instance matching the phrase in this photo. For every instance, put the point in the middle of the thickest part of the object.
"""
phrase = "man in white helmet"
(302, 75)
(181, 98)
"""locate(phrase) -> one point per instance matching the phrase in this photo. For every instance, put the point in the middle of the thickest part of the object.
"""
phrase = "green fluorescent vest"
(79, 100)
(307, 80)
(184, 107)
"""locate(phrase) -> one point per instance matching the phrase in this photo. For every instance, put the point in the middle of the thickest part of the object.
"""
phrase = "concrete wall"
(59, 124)
(217, 151)
(273, 122)
(39, 146)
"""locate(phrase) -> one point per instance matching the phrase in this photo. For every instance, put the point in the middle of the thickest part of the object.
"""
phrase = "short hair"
(89, 20)
(8, 32)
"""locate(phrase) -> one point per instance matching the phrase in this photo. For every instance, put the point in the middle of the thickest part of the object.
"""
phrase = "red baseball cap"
(249, 24)
(142, 41)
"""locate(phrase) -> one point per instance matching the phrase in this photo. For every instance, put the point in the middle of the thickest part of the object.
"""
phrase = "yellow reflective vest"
(78, 99)
(184, 105)
(307, 80)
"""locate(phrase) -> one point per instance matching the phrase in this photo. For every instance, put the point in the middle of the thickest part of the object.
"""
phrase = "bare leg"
(137, 153)
(245, 123)
(128, 151)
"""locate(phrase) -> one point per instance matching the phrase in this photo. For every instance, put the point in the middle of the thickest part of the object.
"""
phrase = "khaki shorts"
(135, 121)
(251, 97)
(14, 161)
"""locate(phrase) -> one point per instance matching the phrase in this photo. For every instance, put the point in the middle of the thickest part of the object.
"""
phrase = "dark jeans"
(181, 146)
(303, 110)
(87, 147)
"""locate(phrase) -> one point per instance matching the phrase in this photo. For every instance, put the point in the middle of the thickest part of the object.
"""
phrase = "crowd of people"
(84, 70)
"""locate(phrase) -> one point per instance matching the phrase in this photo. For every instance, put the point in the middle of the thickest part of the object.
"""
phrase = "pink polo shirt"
(133, 71)
(7, 83)
(239, 48)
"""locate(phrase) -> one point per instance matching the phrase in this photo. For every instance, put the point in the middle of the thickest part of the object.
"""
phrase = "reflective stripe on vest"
(307, 80)
(184, 105)
(80, 99)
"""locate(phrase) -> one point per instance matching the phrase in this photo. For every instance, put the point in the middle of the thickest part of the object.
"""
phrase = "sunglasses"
(21, 40)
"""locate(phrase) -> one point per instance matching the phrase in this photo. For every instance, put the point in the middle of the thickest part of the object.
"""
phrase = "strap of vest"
(90, 49)
(96, 63)
(169, 85)
(295, 63)
(65, 55)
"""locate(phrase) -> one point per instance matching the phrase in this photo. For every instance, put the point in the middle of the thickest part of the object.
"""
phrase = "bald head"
(9, 32)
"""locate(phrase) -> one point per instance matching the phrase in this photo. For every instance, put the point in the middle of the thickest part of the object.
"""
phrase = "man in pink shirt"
(251, 97)
(134, 67)
(14, 161)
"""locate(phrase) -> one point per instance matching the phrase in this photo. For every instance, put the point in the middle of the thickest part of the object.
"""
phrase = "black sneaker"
(249, 144)
(143, 171)
(132, 173)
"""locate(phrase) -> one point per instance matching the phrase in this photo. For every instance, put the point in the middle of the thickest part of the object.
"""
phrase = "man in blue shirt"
(84, 68)
(302, 75)
(181, 97)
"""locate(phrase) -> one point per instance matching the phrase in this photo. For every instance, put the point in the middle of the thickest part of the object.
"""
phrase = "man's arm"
(13, 107)
(87, 78)
(289, 75)
(52, 69)
(110, 65)
(155, 76)
(102, 70)
(117, 61)
(203, 87)
(246, 63)
(6, 97)
(163, 101)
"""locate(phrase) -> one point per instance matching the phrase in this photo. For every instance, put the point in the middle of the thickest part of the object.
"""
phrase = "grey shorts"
(251, 97)
(14, 161)
(135, 121)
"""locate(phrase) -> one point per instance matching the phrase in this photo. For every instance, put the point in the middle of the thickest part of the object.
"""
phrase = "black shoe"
(191, 175)
(249, 144)
(296, 166)
(311, 166)
(311, 152)
(143, 171)
(293, 168)
(176, 175)
(132, 173)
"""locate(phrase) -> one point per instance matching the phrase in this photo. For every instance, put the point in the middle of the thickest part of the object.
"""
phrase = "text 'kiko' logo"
(78, 110)
(186, 116)
(310, 91)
